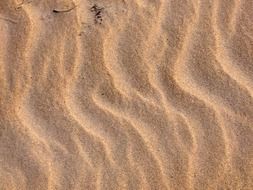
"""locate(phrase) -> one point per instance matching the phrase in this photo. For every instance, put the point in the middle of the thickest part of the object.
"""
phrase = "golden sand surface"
(126, 94)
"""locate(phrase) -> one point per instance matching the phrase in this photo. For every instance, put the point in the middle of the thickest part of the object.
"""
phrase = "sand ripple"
(133, 95)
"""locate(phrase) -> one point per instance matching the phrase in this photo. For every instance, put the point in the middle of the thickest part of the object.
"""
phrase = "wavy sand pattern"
(127, 94)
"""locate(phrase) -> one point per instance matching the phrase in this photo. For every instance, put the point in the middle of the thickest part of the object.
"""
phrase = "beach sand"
(126, 94)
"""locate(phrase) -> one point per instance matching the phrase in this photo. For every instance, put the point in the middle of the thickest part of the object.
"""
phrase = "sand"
(126, 94)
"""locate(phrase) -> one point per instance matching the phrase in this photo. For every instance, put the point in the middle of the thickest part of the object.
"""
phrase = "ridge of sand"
(138, 94)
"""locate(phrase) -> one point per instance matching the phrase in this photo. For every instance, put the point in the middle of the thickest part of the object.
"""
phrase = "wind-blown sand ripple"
(134, 94)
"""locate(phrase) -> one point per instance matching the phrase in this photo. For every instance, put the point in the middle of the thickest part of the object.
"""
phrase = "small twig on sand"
(63, 11)
(9, 20)
(23, 3)
(98, 13)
